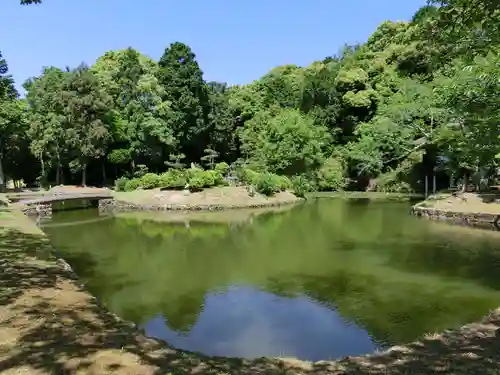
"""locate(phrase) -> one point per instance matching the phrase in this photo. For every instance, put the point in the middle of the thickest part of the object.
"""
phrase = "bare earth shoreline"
(51, 325)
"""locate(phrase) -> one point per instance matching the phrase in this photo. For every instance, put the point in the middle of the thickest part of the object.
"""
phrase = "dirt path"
(49, 325)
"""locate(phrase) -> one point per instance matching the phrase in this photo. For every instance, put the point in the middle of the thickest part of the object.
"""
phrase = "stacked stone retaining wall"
(473, 219)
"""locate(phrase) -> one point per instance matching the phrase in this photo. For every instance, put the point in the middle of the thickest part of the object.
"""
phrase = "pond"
(322, 280)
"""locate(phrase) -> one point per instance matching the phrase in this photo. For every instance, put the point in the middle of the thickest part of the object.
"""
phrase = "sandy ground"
(221, 196)
(49, 325)
(466, 202)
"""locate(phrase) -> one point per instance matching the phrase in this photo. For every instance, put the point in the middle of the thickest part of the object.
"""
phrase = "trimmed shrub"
(149, 181)
(121, 183)
(133, 184)
(196, 183)
(172, 179)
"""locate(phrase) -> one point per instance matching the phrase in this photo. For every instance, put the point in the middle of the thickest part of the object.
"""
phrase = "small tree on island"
(175, 161)
(210, 156)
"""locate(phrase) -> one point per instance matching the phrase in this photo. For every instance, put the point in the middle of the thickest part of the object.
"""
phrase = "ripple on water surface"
(320, 281)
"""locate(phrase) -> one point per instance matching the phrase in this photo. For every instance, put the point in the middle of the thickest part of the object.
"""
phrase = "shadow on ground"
(49, 325)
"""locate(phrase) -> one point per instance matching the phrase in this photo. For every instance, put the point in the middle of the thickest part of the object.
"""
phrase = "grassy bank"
(366, 195)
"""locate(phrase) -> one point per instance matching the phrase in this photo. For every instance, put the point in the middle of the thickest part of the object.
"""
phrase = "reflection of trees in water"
(181, 313)
(474, 260)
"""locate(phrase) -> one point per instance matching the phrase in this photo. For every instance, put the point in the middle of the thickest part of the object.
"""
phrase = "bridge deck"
(52, 198)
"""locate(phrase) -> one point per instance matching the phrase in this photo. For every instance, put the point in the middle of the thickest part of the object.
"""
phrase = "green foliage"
(133, 184)
(172, 179)
(302, 185)
(287, 142)
(428, 85)
(121, 184)
(150, 181)
(332, 175)
(222, 168)
(140, 170)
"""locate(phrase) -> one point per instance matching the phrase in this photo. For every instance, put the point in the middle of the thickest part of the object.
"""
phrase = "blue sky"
(234, 41)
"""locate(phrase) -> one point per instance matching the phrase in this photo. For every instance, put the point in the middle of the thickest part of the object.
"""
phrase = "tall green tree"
(139, 130)
(87, 112)
(49, 129)
(185, 89)
(12, 119)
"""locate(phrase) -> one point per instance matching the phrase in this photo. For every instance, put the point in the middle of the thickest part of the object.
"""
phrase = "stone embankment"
(467, 209)
(214, 199)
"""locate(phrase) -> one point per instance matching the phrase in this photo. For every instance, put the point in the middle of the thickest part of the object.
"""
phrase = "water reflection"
(323, 280)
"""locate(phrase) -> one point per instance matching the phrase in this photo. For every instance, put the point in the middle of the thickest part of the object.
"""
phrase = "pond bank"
(471, 209)
(48, 324)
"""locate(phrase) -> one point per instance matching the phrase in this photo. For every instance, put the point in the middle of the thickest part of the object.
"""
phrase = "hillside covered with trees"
(415, 98)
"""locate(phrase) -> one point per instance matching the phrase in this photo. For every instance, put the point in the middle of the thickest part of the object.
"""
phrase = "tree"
(12, 132)
(185, 89)
(87, 113)
(49, 129)
(210, 157)
(465, 27)
(139, 129)
(222, 125)
(286, 142)
(12, 118)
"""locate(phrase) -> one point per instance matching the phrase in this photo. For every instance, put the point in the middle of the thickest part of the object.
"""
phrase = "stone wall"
(44, 210)
(473, 219)
(111, 205)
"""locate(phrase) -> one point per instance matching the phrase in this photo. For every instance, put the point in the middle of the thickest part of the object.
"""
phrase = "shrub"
(133, 184)
(331, 176)
(205, 178)
(149, 181)
(217, 177)
(248, 176)
(196, 183)
(282, 182)
(301, 185)
(222, 168)
(121, 183)
(266, 184)
(172, 179)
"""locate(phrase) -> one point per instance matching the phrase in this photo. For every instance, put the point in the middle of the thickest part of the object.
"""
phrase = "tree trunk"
(465, 182)
(3, 183)
(58, 174)
(103, 168)
(84, 174)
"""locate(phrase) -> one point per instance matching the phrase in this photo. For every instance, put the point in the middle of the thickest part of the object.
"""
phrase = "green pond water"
(322, 280)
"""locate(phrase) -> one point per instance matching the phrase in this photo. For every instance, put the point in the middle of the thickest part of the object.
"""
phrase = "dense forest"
(417, 98)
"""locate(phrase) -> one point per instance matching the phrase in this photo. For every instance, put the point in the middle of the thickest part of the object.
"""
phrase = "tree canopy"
(417, 97)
